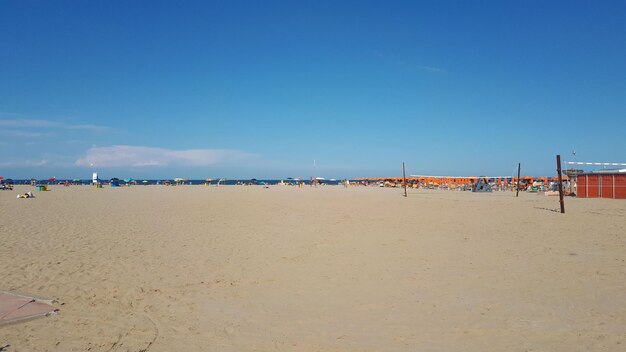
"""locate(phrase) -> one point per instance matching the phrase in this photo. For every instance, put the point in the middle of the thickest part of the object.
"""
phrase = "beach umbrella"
(52, 179)
(145, 181)
(128, 179)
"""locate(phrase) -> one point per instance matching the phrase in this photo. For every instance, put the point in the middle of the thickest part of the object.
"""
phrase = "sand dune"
(196, 268)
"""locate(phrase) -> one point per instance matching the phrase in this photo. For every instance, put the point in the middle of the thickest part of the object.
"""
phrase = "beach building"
(602, 184)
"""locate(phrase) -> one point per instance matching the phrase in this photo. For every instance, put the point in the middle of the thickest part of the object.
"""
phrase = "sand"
(195, 268)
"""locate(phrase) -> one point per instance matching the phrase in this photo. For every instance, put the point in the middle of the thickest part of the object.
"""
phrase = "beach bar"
(605, 184)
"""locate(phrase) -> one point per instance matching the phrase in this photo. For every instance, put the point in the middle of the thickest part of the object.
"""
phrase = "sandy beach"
(195, 268)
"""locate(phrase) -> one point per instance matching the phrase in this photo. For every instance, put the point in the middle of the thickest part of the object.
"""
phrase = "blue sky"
(242, 89)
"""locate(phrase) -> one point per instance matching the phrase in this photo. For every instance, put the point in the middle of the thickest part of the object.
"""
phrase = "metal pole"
(519, 166)
(558, 170)
(404, 178)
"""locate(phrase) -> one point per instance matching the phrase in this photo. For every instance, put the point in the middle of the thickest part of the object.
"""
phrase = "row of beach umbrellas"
(177, 179)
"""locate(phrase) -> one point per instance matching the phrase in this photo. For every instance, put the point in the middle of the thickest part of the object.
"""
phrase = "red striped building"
(610, 184)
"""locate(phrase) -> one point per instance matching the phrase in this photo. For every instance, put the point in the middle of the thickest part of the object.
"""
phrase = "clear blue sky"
(261, 89)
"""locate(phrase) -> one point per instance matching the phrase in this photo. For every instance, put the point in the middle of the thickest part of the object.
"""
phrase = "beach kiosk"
(602, 184)
(95, 180)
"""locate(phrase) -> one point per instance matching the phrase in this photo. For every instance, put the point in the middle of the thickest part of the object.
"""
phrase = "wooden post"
(519, 166)
(560, 180)
(404, 178)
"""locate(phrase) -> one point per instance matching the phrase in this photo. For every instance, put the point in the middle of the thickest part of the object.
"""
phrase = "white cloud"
(26, 134)
(138, 156)
(46, 124)
(24, 163)
(28, 123)
(431, 69)
(92, 128)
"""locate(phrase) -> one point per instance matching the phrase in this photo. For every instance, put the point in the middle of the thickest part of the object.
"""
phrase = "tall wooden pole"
(560, 178)
(404, 178)
(519, 166)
